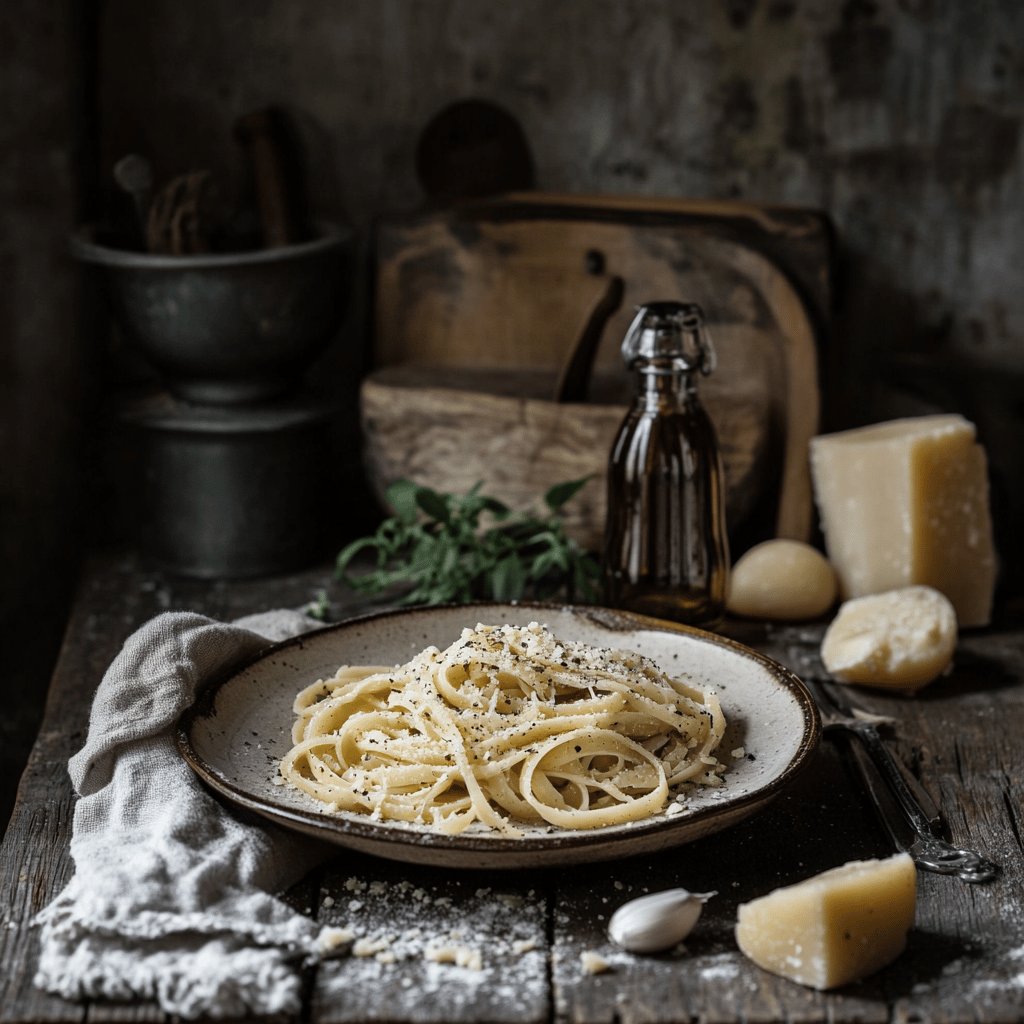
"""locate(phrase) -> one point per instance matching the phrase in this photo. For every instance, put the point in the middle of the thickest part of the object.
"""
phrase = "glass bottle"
(666, 549)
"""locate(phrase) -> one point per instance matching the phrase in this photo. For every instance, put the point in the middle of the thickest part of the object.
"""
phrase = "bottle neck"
(660, 387)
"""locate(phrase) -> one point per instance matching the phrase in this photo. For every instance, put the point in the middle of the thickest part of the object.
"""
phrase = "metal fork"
(928, 849)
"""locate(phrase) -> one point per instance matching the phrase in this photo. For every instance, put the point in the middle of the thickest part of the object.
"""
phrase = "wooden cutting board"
(469, 297)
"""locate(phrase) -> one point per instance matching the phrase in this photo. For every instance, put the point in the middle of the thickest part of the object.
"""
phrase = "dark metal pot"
(230, 492)
(226, 328)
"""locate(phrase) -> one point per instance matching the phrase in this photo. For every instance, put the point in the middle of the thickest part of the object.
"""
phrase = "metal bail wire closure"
(670, 332)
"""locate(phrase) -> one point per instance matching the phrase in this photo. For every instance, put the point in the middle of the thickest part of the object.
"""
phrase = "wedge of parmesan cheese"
(833, 928)
(907, 502)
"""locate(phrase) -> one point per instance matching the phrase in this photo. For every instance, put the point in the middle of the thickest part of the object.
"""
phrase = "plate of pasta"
(503, 736)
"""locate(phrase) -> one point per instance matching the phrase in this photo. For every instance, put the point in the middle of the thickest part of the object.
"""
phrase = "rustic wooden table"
(964, 737)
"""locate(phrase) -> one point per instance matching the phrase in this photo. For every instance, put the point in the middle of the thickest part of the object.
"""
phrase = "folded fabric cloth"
(171, 899)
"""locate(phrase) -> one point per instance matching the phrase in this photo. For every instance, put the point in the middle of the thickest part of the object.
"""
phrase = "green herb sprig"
(454, 548)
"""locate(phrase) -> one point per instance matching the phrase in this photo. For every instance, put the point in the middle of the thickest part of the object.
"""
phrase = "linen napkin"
(171, 899)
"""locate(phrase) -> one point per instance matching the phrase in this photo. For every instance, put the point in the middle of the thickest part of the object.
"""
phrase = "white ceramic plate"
(237, 733)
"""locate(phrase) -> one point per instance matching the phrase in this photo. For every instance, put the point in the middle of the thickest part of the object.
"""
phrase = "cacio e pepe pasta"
(507, 725)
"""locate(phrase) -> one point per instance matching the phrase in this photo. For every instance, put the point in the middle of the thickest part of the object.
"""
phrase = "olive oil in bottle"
(666, 550)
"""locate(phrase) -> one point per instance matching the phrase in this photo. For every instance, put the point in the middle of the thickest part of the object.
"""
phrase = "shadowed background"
(901, 119)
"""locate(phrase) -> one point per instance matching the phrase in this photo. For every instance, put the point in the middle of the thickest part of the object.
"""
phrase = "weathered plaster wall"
(901, 118)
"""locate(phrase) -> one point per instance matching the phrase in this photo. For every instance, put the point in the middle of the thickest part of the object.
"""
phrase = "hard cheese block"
(901, 639)
(906, 502)
(834, 928)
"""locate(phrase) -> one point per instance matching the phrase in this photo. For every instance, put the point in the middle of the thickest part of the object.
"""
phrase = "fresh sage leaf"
(439, 548)
(508, 579)
(558, 495)
(433, 504)
(401, 496)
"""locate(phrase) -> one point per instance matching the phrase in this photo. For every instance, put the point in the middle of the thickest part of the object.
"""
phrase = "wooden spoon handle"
(259, 132)
(575, 376)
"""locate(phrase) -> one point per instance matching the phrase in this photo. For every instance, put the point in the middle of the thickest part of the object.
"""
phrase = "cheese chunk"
(834, 928)
(901, 639)
(785, 580)
(906, 502)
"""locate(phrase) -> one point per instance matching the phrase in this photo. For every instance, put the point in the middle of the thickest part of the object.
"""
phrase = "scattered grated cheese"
(593, 963)
(461, 956)
(369, 947)
(331, 938)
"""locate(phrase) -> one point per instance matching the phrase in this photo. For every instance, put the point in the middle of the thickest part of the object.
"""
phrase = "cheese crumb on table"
(593, 963)
(834, 928)
(330, 938)
(906, 502)
(902, 639)
(461, 956)
(370, 947)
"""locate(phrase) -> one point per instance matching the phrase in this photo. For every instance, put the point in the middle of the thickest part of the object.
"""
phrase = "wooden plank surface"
(964, 962)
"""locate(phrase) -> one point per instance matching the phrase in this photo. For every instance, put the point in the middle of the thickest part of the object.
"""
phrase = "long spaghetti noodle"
(508, 724)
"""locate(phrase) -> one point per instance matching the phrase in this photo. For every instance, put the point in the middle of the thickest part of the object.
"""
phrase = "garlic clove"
(658, 921)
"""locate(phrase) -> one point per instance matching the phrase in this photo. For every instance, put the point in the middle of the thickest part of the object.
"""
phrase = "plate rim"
(337, 829)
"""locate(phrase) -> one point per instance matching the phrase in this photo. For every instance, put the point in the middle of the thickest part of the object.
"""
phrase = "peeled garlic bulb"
(650, 924)
(780, 579)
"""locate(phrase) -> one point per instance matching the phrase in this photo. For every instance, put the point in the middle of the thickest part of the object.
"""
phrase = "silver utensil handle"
(929, 851)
